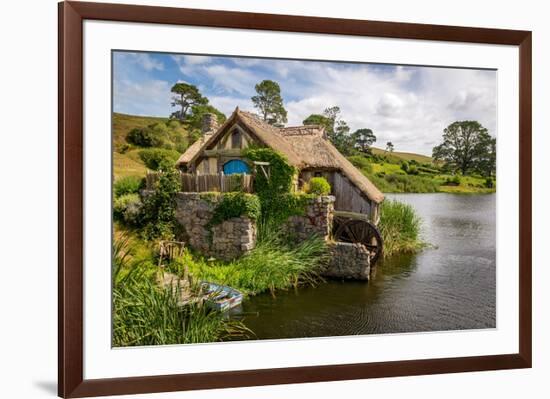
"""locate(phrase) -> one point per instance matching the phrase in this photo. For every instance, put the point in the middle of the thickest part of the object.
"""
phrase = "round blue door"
(235, 166)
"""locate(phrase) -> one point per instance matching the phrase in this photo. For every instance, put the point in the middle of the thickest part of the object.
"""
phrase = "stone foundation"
(228, 240)
(233, 238)
(237, 236)
(348, 261)
(316, 221)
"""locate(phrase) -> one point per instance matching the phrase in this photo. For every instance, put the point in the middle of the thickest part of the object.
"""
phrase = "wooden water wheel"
(356, 228)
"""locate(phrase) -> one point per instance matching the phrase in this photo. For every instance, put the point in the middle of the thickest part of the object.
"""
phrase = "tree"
(328, 119)
(466, 146)
(198, 111)
(487, 164)
(185, 96)
(317, 119)
(341, 138)
(269, 103)
(337, 129)
(363, 139)
(389, 147)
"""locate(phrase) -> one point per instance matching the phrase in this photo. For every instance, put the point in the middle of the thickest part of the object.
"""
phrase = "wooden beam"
(225, 152)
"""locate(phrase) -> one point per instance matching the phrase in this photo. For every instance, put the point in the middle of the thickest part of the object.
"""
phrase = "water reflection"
(450, 286)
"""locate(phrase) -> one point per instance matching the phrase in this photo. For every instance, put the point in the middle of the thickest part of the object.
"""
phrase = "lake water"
(448, 287)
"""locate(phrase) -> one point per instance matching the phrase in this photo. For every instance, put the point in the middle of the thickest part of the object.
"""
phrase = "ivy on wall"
(233, 205)
(275, 193)
(281, 176)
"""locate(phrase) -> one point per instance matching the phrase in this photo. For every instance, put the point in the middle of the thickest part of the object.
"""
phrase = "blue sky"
(407, 105)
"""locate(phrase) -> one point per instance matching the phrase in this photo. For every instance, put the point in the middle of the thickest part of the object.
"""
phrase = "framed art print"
(253, 199)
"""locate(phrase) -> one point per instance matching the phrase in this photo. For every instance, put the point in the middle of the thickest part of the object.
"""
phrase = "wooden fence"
(197, 183)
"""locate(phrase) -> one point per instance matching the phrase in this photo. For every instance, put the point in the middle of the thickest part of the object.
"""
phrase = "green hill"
(407, 156)
(170, 137)
(122, 124)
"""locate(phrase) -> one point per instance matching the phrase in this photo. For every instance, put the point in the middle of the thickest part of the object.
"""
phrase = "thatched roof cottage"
(306, 147)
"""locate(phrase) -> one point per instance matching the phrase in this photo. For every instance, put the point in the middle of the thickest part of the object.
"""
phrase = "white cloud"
(408, 106)
(389, 105)
(152, 97)
(228, 104)
(232, 80)
(246, 62)
(144, 60)
(192, 59)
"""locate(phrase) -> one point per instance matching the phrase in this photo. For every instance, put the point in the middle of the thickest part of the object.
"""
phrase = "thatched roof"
(316, 151)
(192, 150)
(304, 146)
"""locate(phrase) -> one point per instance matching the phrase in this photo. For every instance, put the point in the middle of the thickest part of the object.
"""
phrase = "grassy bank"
(400, 228)
(272, 265)
(146, 314)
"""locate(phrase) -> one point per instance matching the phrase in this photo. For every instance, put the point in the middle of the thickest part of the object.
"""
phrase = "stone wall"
(317, 219)
(348, 261)
(228, 240)
(235, 237)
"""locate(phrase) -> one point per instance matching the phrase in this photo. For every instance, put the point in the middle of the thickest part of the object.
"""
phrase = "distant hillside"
(407, 156)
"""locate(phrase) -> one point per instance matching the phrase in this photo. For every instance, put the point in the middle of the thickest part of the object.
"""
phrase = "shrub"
(319, 186)
(235, 205)
(145, 137)
(126, 207)
(127, 185)
(159, 158)
(123, 148)
(405, 166)
(278, 209)
(413, 169)
(452, 181)
(158, 213)
(489, 182)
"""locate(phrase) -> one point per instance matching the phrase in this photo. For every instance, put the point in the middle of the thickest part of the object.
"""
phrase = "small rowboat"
(220, 297)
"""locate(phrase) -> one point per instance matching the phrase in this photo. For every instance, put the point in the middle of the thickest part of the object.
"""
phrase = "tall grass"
(274, 264)
(400, 228)
(146, 314)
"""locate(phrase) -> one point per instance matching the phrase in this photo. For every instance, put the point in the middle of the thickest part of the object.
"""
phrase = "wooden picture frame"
(70, 245)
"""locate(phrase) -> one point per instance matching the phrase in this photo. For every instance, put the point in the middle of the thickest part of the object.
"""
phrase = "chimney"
(209, 123)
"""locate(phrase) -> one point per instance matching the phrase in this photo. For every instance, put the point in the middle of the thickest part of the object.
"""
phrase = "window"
(236, 139)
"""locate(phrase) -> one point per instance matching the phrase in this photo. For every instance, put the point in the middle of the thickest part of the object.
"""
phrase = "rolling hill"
(407, 156)
(126, 157)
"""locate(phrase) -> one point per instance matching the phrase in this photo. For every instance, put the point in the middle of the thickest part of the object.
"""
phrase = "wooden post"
(197, 182)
